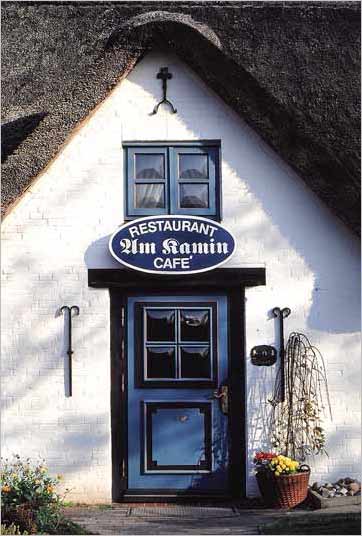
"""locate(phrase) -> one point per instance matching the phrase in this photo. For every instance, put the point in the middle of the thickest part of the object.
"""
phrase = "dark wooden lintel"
(218, 278)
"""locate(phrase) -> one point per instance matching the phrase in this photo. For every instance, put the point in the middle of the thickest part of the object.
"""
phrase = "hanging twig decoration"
(296, 423)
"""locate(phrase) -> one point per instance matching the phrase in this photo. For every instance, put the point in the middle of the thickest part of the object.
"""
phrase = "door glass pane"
(195, 362)
(160, 325)
(193, 166)
(149, 166)
(150, 195)
(160, 362)
(194, 195)
(195, 325)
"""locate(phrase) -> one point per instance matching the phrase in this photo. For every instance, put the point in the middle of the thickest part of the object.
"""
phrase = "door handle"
(222, 395)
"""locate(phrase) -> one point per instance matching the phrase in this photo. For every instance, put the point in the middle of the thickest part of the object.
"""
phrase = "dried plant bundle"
(296, 424)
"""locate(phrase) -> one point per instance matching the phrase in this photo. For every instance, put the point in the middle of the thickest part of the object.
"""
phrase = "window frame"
(171, 150)
(141, 378)
(131, 183)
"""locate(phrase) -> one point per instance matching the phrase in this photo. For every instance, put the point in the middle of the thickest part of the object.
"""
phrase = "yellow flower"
(60, 477)
(38, 482)
(277, 473)
(50, 489)
(6, 489)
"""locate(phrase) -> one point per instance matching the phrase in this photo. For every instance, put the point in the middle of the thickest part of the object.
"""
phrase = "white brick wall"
(61, 228)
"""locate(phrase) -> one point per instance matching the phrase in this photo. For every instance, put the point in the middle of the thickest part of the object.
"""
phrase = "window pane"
(194, 196)
(195, 362)
(149, 166)
(150, 195)
(193, 166)
(160, 362)
(195, 325)
(160, 325)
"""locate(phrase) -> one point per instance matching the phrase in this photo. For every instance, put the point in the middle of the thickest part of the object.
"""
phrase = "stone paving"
(144, 519)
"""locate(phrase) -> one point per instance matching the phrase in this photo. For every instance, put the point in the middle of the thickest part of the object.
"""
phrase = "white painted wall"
(61, 228)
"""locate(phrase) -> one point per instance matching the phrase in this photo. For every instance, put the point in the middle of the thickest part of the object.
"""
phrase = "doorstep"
(146, 519)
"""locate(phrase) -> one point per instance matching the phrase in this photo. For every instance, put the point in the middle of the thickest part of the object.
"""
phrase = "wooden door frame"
(229, 281)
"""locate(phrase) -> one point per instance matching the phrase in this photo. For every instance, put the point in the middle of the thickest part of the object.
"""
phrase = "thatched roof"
(290, 69)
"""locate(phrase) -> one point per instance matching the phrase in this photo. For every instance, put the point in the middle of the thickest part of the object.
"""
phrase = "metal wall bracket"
(281, 314)
(74, 308)
(164, 75)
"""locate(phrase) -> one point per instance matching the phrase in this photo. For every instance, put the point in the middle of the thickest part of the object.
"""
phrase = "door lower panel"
(188, 448)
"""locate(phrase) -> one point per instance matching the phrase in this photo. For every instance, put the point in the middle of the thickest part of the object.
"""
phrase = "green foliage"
(68, 527)
(26, 483)
(21, 515)
(48, 518)
(65, 526)
(29, 498)
(104, 506)
(69, 503)
(11, 530)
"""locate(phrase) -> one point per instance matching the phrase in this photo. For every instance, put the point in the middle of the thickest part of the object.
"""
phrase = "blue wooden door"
(177, 362)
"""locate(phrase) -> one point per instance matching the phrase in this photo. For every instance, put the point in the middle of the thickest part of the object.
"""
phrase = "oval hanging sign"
(172, 244)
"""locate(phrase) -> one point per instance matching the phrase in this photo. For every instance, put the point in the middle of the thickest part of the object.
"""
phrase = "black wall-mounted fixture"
(281, 314)
(70, 310)
(164, 75)
(263, 355)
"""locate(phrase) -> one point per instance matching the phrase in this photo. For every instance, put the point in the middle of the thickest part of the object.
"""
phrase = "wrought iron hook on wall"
(74, 308)
(164, 75)
(281, 314)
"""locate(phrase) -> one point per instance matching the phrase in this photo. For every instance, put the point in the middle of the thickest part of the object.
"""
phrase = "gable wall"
(61, 228)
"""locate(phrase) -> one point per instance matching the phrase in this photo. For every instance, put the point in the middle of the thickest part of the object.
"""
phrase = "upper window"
(172, 179)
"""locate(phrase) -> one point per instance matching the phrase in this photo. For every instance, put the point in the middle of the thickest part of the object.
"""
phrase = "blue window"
(177, 178)
(176, 344)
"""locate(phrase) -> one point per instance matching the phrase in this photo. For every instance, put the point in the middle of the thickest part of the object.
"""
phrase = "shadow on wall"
(333, 309)
(329, 250)
(72, 441)
(303, 223)
(72, 450)
(97, 255)
(259, 391)
(343, 463)
(44, 342)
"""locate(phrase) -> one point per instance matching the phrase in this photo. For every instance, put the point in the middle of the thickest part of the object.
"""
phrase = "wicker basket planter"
(283, 491)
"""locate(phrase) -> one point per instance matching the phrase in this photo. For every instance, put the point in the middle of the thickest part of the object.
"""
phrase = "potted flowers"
(282, 481)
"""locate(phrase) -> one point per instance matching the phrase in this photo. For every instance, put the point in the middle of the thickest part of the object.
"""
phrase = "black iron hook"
(281, 314)
(164, 75)
(74, 308)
